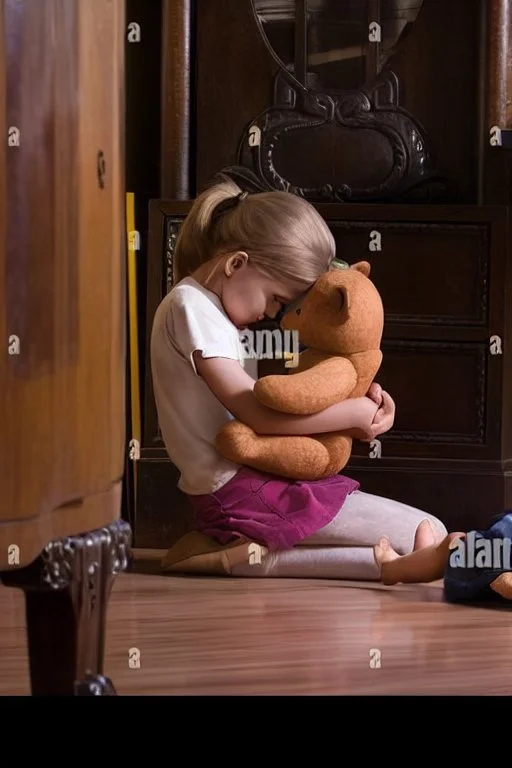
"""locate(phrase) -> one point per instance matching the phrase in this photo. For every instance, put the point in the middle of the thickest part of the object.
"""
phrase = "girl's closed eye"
(274, 307)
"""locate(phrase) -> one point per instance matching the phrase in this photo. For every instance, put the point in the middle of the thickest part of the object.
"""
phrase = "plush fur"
(341, 323)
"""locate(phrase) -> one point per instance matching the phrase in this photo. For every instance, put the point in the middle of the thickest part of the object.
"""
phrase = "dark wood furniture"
(62, 322)
(400, 138)
(442, 273)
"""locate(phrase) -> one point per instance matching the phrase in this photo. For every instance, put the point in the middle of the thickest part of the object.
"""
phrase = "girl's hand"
(384, 418)
(372, 420)
(375, 393)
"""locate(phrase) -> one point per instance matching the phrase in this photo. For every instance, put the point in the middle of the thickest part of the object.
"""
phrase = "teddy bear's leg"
(339, 448)
(300, 458)
(503, 585)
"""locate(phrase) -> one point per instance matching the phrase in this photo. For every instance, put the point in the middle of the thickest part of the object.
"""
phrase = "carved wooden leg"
(66, 597)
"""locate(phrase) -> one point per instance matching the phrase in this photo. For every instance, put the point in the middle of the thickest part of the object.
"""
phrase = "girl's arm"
(230, 384)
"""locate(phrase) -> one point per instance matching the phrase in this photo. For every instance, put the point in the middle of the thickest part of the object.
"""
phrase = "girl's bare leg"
(420, 566)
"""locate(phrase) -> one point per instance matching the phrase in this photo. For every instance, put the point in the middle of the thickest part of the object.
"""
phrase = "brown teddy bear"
(340, 321)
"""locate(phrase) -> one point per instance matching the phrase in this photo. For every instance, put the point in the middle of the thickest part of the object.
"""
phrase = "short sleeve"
(194, 327)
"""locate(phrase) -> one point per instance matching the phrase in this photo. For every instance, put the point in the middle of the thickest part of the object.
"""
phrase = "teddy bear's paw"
(269, 390)
(503, 585)
(237, 442)
(297, 458)
(339, 448)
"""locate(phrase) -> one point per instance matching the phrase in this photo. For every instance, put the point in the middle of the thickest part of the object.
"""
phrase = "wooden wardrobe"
(394, 119)
(62, 325)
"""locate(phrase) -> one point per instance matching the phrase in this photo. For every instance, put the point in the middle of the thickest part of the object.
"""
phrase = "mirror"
(334, 37)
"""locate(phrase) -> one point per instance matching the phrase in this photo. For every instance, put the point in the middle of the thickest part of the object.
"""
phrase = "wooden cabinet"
(62, 324)
(388, 116)
(62, 310)
(339, 112)
(442, 273)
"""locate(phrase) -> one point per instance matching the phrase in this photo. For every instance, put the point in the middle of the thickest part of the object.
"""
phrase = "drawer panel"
(428, 273)
(442, 404)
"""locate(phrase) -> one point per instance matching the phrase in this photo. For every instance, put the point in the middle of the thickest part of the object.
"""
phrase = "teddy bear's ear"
(362, 266)
(342, 298)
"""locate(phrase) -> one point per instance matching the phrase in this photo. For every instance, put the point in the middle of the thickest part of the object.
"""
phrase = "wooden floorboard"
(242, 636)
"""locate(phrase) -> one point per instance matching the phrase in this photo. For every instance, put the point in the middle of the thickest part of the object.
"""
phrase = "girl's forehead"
(292, 290)
(298, 298)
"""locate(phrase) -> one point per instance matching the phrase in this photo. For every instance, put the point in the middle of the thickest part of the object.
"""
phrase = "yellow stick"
(132, 237)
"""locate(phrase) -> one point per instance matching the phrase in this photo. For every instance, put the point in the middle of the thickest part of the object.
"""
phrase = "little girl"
(239, 259)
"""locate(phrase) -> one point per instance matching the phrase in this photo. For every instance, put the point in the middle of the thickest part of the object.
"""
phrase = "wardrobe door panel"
(428, 273)
(440, 390)
(62, 312)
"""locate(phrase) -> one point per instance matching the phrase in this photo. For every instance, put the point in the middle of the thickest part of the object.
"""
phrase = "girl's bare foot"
(418, 567)
(385, 554)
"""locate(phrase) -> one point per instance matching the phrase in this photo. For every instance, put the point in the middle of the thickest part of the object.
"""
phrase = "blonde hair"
(283, 235)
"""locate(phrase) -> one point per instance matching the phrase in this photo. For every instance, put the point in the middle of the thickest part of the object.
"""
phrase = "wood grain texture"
(235, 84)
(298, 637)
(62, 267)
(498, 30)
(177, 76)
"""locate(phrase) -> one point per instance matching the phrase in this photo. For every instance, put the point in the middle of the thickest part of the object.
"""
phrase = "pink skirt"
(273, 511)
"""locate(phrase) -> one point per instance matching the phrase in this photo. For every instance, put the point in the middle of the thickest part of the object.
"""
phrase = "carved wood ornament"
(332, 125)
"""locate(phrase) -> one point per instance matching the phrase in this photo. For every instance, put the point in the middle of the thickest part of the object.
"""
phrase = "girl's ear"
(362, 266)
(242, 257)
(235, 262)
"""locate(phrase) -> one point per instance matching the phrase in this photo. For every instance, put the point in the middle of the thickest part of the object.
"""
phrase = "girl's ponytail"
(194, 246)
(283, 235)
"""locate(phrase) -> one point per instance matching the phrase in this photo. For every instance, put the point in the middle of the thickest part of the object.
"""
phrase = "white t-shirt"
(192, 318)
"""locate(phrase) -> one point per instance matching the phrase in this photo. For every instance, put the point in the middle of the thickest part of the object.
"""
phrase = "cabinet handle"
(101, 169)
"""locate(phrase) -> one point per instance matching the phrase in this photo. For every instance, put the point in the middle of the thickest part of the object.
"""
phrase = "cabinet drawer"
(428, 273)
(443, 408)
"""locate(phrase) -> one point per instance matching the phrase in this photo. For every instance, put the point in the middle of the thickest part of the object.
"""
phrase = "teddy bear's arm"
(310, 391)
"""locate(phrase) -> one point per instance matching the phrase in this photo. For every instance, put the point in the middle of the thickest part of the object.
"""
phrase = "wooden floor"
(229, 636)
